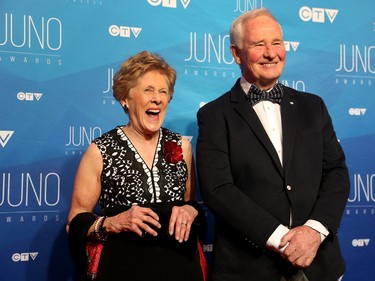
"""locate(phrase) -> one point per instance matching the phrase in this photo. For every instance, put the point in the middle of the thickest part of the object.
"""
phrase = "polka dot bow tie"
(256, 95)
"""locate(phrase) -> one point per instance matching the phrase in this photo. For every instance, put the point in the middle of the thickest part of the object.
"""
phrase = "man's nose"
(270, 51)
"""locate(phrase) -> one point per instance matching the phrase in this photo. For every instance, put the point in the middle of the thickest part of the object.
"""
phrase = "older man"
(270, 168)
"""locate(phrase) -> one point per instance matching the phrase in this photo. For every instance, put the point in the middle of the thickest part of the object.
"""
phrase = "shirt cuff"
(273, 241)
(319, 228)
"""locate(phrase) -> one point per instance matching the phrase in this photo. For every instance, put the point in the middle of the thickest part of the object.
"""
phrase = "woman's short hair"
(135, 67)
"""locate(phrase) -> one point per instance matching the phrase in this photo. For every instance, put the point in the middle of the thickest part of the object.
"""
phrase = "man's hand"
(303, 244)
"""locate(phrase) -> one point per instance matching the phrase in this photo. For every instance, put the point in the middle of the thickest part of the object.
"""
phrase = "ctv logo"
(357, 111)
(5, 137)
(202, 103)
(29, 96)
(168, 3)
(189, 138)
(360, 242)
(16, 257)
(289, 45)
(124, 31)
(207, 248)
(317, 14)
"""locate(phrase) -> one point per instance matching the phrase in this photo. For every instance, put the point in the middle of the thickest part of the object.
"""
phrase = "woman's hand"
(136, 219)
(180, 222)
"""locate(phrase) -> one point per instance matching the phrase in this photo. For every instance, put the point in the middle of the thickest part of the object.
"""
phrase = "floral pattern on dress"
(126, 179)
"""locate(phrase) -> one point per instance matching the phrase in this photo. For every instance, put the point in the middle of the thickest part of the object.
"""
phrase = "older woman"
(142, 176)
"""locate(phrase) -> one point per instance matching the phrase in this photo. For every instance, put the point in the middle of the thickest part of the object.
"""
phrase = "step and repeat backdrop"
(57, 60)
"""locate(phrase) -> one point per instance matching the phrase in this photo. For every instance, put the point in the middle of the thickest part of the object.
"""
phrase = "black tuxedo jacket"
(244, 184)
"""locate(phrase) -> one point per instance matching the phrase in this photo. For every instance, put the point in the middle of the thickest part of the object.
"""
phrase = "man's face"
(262, 56)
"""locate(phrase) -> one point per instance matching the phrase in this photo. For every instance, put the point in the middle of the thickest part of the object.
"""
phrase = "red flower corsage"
(173, 152)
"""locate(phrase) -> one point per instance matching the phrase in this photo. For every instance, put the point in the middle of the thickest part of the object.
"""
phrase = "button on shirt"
(270, 117)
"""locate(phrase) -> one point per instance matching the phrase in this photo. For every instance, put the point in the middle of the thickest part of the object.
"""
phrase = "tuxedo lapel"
(289, 125)
(248, 114)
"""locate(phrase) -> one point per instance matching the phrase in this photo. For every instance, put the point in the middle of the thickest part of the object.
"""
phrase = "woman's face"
(147, 102)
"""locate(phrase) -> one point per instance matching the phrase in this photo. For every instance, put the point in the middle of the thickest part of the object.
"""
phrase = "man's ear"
(235, 53)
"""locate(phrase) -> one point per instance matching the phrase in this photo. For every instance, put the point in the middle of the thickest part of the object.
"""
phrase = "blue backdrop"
(57, 59)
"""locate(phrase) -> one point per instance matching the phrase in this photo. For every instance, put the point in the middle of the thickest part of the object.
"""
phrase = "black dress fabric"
(127, 256)
(126, 180)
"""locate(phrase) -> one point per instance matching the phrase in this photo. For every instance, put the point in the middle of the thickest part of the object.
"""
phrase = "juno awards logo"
(31, 39)
(169, 3)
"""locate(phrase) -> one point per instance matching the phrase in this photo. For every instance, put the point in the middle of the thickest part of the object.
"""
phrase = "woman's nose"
(156, 97)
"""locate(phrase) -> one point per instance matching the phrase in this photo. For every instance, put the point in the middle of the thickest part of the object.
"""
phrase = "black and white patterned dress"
(127, 180)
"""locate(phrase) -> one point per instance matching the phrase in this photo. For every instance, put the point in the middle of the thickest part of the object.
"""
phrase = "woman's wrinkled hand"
(181, 221)
(137, 219)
